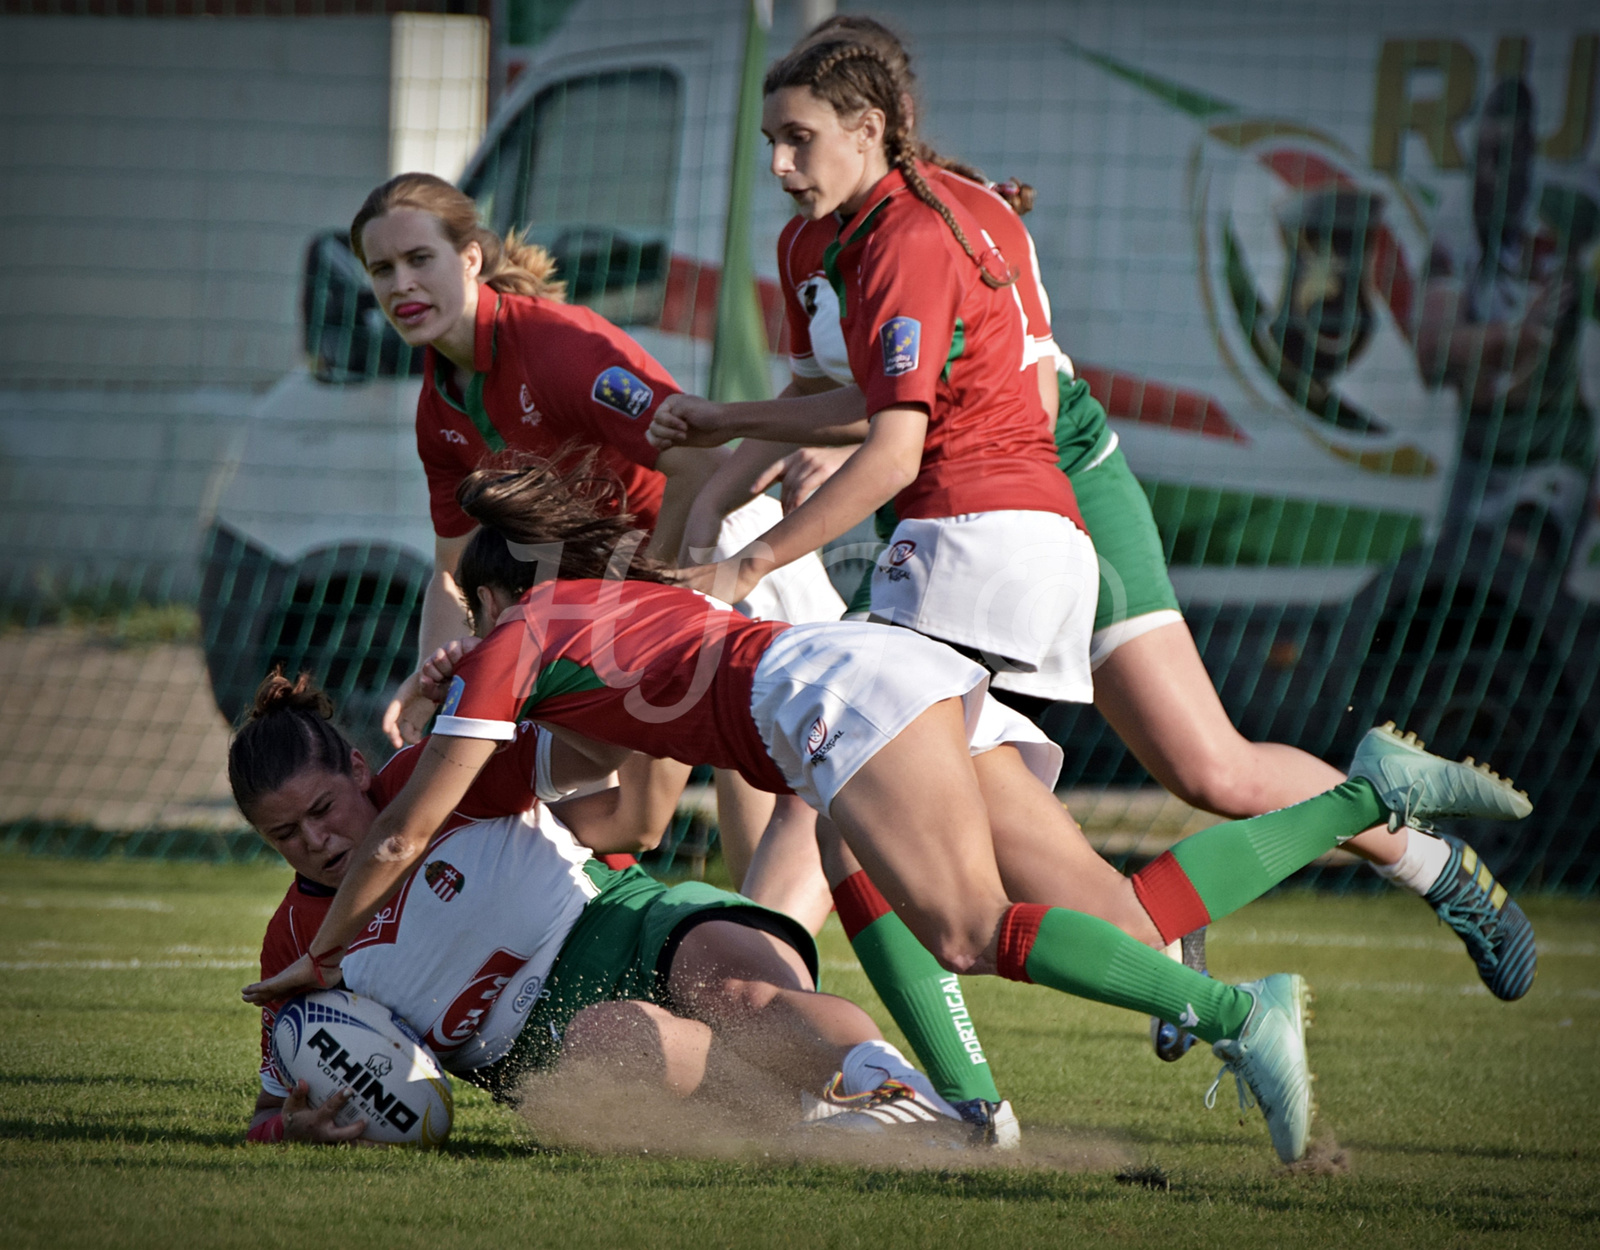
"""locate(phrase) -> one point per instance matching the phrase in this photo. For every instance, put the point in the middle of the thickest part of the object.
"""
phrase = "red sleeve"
(484, 699)
(392, 777)
(793, 313)
(437, 434)
(899, 339)
(614, 387)
(288, 935)
(448, 519)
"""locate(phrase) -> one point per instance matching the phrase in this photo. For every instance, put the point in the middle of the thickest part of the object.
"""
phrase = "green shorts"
(622, 948)
(1133, 563)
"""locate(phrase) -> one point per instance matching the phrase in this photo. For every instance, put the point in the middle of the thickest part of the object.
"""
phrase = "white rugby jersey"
(463, 950)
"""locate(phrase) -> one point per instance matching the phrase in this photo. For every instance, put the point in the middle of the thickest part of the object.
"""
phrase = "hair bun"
(277, 693)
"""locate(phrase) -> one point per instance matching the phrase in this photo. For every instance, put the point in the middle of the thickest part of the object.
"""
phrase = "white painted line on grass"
(99, 904)
(1367, 941)
(126, 965)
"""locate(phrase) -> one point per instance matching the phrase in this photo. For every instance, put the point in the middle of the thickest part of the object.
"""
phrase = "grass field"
(1446, 1118)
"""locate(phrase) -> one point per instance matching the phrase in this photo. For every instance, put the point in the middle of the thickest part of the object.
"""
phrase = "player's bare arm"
(885, 465)
(398, 838)
(687, 470)
(444, 617)
(629, 817)
(812, 410)
(749, 469)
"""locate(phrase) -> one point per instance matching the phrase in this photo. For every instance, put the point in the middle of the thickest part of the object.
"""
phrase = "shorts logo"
(617, 388)
(901, 338)
(819, 742)
(452, 700)
(901, 552)
(453, 436)
(446, 880)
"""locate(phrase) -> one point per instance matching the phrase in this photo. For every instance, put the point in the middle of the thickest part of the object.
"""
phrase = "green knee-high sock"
(925, 1000)
(1092, 958)
(1218, 870)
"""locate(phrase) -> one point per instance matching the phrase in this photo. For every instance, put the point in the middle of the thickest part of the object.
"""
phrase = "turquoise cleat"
(1497, 933)
(1419, 788)
(1269, 1057)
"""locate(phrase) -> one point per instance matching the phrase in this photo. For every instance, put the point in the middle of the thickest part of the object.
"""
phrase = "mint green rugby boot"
(1419, 788)
(1268, 1059)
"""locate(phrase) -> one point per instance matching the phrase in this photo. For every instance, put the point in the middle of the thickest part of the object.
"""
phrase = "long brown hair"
(853, 77)
(565, 518)
(855, 27)
(289, 729)
(511, 264)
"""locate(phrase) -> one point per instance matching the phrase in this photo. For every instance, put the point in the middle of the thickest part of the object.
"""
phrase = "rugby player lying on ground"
(511, 946)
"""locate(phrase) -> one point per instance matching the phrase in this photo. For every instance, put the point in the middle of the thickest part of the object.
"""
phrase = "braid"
(823, 68)
(904, 160)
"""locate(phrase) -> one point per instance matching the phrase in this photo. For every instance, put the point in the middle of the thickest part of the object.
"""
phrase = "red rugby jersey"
(1007, 233)
(547, 374)
(659, 669)
(921, 327)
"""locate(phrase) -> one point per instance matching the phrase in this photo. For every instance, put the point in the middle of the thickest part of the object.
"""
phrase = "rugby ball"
(333, 1040)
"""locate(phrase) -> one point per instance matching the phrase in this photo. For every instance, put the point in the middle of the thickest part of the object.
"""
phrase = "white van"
(1249, 232)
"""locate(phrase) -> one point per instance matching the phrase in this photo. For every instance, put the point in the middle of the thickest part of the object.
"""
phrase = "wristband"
(268, 1130)
(316, 964)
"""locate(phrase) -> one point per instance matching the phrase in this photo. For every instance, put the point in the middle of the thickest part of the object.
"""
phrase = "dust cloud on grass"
(603, 1116)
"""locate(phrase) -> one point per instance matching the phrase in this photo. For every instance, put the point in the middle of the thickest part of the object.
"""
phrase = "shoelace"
(1247, 1098)
(1475, 913)
(889, 1091)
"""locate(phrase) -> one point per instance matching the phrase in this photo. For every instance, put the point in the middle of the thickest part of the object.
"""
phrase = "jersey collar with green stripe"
(485, 328)
(858, 227)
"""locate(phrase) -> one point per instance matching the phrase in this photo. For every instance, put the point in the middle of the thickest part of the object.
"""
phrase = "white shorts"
(798, 592)
(827, 697)
(1020, 587)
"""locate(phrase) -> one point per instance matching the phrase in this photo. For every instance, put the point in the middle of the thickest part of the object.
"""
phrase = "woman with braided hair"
(1150, 683)
(989, 553)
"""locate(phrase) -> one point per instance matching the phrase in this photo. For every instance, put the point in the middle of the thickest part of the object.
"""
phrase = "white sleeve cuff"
(469, 727)
(806, 367)
(271, 1085)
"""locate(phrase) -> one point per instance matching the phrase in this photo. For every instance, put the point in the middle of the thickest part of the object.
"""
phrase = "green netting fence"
(1331, 270)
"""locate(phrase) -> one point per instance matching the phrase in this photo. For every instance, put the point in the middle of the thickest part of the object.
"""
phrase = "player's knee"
(617, 1032)
(957, 952)
(1214, 779)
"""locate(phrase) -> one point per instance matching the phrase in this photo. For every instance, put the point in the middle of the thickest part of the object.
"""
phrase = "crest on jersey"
(902, 551)
(452, 700)
(819, 733)
(530, 410)
(445, 880)
(901, 338)
(617, 388)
